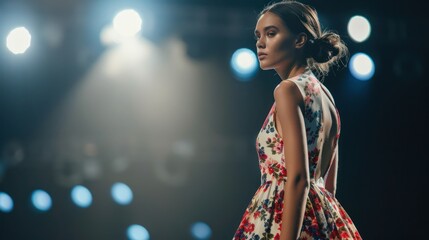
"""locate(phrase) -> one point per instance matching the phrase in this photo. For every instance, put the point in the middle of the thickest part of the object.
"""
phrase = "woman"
(297, 145)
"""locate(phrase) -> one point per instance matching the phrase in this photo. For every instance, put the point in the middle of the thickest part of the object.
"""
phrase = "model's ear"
(301, 39)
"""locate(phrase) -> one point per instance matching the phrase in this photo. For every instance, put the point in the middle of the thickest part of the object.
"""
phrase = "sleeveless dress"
(324, 216)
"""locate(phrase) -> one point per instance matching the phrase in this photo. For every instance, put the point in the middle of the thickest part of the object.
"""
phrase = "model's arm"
(288, 100)
(331, 178)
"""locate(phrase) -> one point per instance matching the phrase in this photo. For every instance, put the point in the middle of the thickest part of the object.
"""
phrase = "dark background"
(179, 129)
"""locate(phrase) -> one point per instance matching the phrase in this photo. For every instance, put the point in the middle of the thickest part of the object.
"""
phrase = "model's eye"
(271, 34)
(256, 37)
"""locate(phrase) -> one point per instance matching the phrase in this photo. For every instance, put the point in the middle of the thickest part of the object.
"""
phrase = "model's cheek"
(286, 47)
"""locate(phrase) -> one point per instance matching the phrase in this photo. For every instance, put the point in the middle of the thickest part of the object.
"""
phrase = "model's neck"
(290, 71)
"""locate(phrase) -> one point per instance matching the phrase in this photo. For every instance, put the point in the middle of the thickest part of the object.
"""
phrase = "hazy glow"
(81, 196)
(109, 36)
(137, 232)
(41, 200)
(201, 230)
(121, 193)
(6, 202)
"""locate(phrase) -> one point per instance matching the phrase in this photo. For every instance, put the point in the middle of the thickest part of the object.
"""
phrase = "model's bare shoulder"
(287, 89)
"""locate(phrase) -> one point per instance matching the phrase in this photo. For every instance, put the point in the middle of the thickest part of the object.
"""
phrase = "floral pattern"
(324, 217)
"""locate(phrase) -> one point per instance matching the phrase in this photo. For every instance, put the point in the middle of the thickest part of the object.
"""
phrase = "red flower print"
(256, 214)
(307, 99)
(313, 87)
(333, 234)
(314, 155)
(278, 147)
(339, 223)
(278, 217)
(311, 214)
(249, 228)
(344, 235)
(279, 205)
(343, 213)
(349, 220)
(317, 204)
(282, 171)
(357, 235)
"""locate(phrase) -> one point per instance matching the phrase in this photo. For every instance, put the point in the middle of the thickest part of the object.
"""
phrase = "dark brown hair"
(323, 49)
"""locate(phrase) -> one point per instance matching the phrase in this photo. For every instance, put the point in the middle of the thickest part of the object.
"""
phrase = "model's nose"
(260, 43)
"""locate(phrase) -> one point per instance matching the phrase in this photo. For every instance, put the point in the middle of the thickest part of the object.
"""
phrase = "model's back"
(322, 122)
(331, 132)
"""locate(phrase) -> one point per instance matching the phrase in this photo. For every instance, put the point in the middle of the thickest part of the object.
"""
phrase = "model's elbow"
(300, 180)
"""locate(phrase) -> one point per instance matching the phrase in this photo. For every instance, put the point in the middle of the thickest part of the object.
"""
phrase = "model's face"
(275, 42)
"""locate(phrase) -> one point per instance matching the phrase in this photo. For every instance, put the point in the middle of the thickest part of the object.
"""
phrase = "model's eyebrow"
(267, 27)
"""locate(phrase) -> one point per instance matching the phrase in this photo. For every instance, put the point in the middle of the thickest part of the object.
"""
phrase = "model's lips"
(261, 55)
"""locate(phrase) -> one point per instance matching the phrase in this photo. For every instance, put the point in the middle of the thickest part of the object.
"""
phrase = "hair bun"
(324, 48)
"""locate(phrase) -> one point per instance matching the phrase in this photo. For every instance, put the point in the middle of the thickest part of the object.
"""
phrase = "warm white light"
(18, 40)
(127, 23)
(361, 66)
(359, 28)
(109, 36)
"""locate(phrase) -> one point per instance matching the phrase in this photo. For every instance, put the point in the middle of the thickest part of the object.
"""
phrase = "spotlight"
(41, 200)
(244, 63)
(122, 194)
(127, 23)
(81, 196)
(137, 232)
(359, 28)
(6, 202)
(18, 40)
(361, 66)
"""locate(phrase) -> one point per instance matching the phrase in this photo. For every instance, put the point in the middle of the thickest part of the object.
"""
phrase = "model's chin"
(264, 66)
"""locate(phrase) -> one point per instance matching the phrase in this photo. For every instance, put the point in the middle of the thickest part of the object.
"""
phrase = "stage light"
(41, 200)
(361, 66)
(127, 23)
(200, 231)
(359, 28)
(18, 40)
(244, 63)
(137, 232)
(6, 202)
(81, 196)
(121, 193)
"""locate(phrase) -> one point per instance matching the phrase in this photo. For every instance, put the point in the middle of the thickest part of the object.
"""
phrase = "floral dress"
(324, 216)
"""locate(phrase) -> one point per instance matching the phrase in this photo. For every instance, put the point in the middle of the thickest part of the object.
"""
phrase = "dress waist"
(319, 182)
